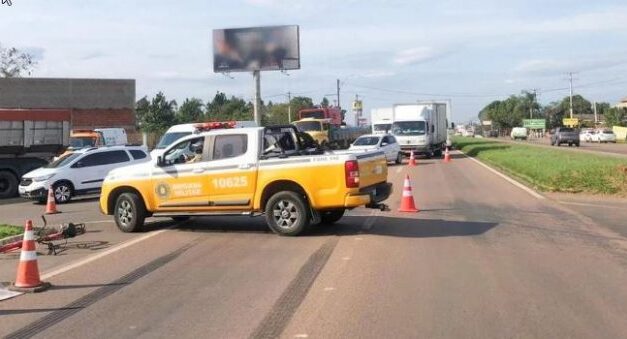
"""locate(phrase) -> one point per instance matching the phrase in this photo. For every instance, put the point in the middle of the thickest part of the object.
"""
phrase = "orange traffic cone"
(51, 204)
(407, 200)
(447, 156)
(28, 271)
(412, 159)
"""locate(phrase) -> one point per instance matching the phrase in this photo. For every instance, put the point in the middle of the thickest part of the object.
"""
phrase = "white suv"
(79, 172)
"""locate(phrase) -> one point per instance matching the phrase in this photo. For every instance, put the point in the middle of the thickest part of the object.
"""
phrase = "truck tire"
(129, 212)
(330, 217)
(399, 158)
(8, 185)
(438, 152)
(287, 213)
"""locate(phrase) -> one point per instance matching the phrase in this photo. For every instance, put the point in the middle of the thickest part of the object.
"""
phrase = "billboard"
(269, 48)
(534, 123)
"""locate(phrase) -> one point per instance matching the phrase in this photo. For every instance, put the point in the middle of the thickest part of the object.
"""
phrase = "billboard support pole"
(257, 101)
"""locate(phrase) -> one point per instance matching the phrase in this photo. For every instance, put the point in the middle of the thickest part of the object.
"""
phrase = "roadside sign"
(574, 122)
(486, 122)
(534, 123)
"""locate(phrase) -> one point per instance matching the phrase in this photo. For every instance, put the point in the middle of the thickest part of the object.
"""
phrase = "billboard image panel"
(268, 48)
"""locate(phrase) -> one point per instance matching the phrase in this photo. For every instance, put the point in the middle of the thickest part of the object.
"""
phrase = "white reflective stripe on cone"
(28, 235)
(28, 255)
(406, 193)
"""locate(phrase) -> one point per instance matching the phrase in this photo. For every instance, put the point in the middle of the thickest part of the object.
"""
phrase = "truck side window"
(229, 146)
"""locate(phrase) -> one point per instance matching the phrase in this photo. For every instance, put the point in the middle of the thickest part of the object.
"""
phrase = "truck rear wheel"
(287, 213)
(8, 185)
(129, 212)
(330, 217)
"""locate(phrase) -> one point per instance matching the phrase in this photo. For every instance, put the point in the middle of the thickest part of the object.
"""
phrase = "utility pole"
(570, 77)
(533, 101)
(338, 94)
(595, 114)
(257, 101)
(289, 107)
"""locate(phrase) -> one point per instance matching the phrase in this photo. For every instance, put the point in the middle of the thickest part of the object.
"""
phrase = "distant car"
(386, 143)
(519, 133)
(586, 135)
(493, 134)
(565, 135)
(604, 136)
(79, 172)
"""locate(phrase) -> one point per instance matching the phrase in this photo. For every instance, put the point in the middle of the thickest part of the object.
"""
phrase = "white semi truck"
(381, 120)
(421, 127)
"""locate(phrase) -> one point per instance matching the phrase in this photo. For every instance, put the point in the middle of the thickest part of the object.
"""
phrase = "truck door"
(180, 180)
(232, 171)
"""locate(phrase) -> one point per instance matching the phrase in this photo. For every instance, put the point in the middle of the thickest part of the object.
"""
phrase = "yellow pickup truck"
(250, 171)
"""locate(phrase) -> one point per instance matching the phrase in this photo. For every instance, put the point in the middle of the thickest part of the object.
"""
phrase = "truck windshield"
(382, 127)
(308, 126)
(314, 114)
(366, 141)
(82, 142)
(63, 160)
(168, 138)
(408, 128)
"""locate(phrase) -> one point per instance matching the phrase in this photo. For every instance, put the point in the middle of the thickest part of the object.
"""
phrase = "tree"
(325, 102)
(616, 117)
(14, 63)
(160, 115)
(190, 111)
(299, 103)
(580, 105)
(142, 107)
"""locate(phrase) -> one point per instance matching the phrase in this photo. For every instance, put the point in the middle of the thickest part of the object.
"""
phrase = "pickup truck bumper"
(369, 196)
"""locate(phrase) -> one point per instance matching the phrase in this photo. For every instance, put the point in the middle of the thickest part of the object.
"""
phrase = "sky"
(387, 52)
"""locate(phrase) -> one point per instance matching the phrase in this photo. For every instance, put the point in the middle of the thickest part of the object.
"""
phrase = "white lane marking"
(327, 289)
(302, 335)
(508, 179)
(399, 170)
(87, 260)
(359, 238)
(589, 205)
(98, 221)
(346, 258)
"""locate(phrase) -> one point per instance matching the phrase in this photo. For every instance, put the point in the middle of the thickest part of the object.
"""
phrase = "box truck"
(381, 120)
(29, 139)
(421, 127)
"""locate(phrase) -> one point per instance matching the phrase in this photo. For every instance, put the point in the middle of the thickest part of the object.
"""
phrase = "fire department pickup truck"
(250, 171)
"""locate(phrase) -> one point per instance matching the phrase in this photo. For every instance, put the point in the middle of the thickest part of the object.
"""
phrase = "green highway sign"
(534, 123)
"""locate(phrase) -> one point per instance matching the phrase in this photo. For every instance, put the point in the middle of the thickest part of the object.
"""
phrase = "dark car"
(565, 135)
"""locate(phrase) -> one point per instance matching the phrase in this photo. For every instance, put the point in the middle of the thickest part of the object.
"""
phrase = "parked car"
(605, 135)
(519, 133)
(565, 135)
(385, 143)
(586, 135)
(79, 172)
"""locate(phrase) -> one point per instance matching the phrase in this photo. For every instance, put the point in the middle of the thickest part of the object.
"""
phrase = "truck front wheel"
(287, 213)
(129, 212)
(8, 185)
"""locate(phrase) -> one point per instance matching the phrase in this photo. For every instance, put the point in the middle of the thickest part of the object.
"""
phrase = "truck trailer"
(29, 139)
(421, 127)
(381, 120)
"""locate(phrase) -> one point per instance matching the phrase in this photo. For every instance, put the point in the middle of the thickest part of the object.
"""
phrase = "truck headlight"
(43, 177)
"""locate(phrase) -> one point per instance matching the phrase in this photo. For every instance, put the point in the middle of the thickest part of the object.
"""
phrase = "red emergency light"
(208, 126)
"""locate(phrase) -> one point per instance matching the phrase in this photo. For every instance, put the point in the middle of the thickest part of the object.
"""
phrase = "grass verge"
(9, 230)
(551, 170)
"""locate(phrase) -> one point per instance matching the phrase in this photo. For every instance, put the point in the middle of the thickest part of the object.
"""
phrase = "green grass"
(551, 170)
(9, 230)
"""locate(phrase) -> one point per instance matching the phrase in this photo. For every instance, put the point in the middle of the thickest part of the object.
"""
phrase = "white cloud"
(557, 66)
(416, 55)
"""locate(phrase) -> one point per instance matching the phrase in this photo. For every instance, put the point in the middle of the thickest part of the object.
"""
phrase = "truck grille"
(26, 182)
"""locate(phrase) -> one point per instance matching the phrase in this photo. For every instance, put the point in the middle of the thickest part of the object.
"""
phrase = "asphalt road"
(483, 258)
(618, 149)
